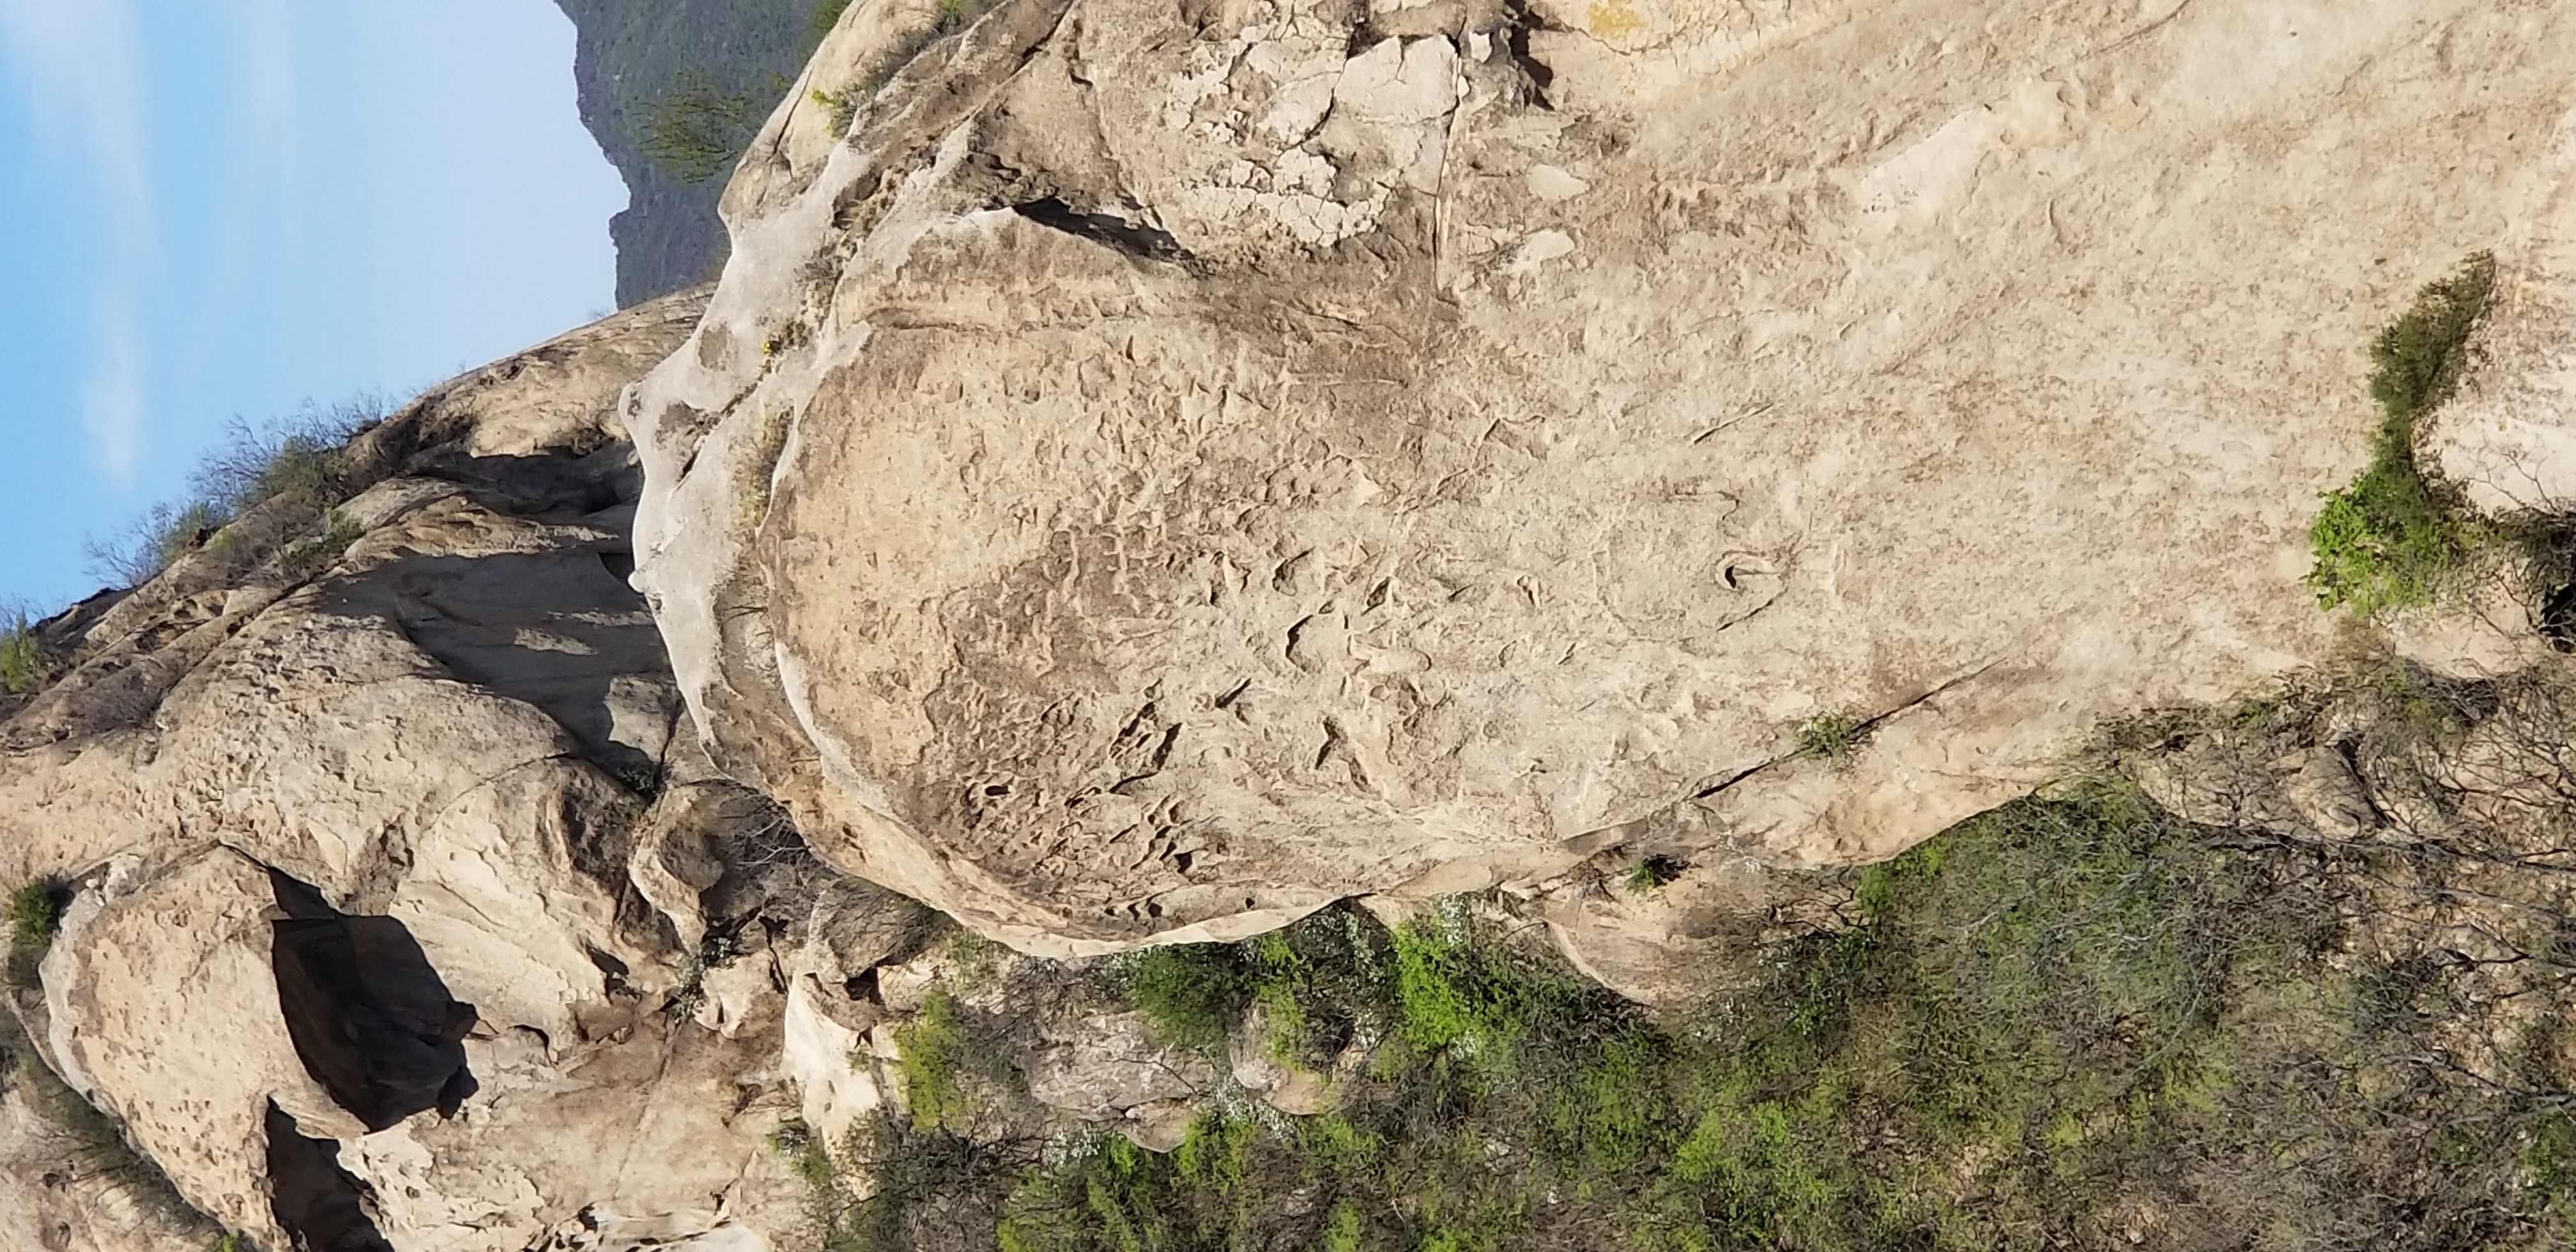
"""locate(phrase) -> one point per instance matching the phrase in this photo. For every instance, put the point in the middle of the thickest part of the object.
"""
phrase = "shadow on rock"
(314, 1199)
(368, 1014)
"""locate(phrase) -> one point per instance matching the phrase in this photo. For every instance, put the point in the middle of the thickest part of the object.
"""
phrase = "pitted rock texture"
(1167, 468)
(2509, 436)
(357, 952)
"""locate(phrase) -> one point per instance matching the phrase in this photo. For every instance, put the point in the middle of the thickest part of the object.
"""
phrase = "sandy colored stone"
(1160, 475)
(438, 735)
(2509, 436)
(1101, 1065)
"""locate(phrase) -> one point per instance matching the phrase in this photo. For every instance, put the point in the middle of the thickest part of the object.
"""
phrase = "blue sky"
(212, 208)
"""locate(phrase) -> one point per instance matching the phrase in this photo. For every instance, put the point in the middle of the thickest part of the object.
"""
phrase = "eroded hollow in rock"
(369, 1016)
(1146, 242)
(318, 1203)
(2558, 618)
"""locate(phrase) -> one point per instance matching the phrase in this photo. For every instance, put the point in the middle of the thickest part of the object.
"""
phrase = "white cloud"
(78, 63)
(112, 395)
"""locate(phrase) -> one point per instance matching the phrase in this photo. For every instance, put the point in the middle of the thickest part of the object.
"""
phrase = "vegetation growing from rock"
(1651, 872)
(23, 659)
(2394, 538)
(293, 463)
(1831, 736)
(35, 914)
(2076, 1021)
(719, 949)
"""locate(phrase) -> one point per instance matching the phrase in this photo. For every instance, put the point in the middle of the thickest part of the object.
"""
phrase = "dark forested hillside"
(708, 69)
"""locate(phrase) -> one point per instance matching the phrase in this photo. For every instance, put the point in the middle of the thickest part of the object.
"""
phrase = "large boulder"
(1172, 466)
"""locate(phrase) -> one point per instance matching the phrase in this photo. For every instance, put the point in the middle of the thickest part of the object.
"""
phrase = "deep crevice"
(368, 1014)
(2558, 618)
(320, 1205)
(1146, 242)
(1516, 40)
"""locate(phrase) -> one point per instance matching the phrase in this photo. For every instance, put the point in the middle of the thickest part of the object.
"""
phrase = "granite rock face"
(1167, 468)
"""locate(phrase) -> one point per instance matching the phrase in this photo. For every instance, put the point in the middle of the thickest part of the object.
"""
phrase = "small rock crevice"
(369, 1016)
(319, 1204)
(1517, 40)
(1144, 242)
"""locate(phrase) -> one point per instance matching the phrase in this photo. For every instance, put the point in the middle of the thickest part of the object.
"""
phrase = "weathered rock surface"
(1164, 470)
(1170, 468)
(2509, 437)
(357, 955)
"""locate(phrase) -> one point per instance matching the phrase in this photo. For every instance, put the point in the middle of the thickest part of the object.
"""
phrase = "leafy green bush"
(2395, 536)
(933, 1062)
(1308, 979)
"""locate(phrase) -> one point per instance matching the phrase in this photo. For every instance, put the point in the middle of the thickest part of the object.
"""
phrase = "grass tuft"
(296, 461)
(1652, 873)
(36, 911)
(1832, 735)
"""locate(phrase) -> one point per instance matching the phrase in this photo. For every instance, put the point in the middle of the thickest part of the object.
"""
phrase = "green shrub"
(36, 912)
(1308, 980)
(844, 106)
(2396, 535)
(2048, 1021)
(1652, 872)
(296, 460)
(932, 1065)
(1191, 994)
(698, 129)
(23, 659)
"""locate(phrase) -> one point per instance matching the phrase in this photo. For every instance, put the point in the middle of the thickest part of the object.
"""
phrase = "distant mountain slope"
(632, 56)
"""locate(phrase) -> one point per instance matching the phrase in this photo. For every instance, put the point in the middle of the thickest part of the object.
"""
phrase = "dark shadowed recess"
(319, 1204)
(1145, 242)
(370, 1018)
